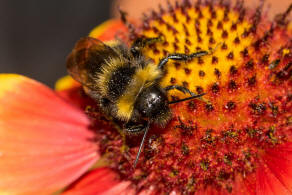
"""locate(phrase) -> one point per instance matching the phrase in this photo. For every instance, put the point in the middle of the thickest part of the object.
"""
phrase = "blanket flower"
(236, 139)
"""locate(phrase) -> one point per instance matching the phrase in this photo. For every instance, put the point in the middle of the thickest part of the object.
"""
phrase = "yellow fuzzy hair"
(143, 78)
(103, 78)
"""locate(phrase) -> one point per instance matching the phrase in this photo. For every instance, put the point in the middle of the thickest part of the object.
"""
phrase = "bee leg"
(180, 88)
(134, 128)
(140, 43)
(138, 128)
(184, 90)
(181, 57)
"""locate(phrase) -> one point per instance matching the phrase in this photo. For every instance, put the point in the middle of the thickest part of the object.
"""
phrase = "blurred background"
(36, 36)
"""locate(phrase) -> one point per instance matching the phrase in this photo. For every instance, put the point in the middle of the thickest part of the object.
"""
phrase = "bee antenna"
(141, 145)
(185, 99)
(129, 25)
(123, 16)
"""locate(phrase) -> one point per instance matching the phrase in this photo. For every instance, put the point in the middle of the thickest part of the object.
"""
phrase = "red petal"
(71, 91)
(44, 141)
(75, 97)
(100, 181)
(274, 176)
(211, 191)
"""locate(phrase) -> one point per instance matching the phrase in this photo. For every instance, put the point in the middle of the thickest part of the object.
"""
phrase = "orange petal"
(75, 96)
(108, 30)
(274, 176)
(100, 181)
(44, 141)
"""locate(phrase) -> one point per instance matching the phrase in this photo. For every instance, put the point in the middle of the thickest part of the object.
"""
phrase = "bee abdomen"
(119, 80)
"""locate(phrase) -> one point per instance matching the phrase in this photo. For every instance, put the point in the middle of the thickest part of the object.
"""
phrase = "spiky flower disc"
(225, 140)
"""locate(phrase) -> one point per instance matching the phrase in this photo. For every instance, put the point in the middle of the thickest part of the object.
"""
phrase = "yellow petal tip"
(8, 82)
(65, 82)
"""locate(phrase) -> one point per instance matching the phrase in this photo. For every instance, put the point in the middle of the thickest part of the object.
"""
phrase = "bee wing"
(86, 59)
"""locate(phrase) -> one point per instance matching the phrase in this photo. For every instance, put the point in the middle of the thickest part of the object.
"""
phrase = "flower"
(44, 140)
(236, 139)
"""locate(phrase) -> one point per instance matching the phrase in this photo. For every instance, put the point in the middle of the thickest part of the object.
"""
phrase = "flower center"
(217, 30)
(246, 110)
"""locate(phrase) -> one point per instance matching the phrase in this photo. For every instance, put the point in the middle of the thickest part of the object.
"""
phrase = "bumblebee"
(126, 84)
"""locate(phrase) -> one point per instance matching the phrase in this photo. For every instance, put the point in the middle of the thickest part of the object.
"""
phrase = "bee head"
(152, 104)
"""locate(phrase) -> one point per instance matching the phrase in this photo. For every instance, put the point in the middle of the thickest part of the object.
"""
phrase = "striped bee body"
(125, 83)
(114, 77)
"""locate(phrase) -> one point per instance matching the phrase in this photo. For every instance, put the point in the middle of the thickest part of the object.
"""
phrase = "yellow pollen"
(222, 36)
(285, 51)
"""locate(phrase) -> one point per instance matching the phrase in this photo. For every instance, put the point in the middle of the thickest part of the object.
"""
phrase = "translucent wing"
(86, 60)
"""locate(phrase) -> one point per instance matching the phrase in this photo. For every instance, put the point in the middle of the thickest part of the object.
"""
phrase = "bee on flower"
(236, 139)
